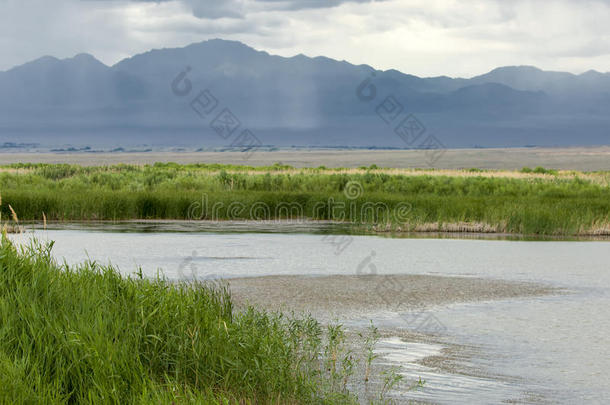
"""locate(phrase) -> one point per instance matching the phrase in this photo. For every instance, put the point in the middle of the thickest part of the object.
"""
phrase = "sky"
(457, 38)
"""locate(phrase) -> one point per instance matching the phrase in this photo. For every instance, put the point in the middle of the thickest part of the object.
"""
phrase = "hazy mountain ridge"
(292, 101)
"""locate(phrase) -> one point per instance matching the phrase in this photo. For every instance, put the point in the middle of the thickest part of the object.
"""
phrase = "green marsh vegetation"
(86, 334)
(530, 201)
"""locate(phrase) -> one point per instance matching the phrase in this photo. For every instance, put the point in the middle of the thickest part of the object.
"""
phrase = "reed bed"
(531, 201)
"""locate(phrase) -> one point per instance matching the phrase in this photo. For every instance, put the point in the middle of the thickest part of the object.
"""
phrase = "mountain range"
(205, 95)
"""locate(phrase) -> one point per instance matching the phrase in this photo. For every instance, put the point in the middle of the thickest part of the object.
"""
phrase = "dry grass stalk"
(599, 228)
(461, 227)
(14, 214)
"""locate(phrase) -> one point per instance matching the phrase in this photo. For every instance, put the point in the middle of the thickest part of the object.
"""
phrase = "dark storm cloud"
(210, 9)
(214, 9)
(306, 4)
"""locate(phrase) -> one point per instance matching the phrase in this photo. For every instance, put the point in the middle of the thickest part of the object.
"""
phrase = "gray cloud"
(423, 37)
(215, 9)
(308, 4)
(209, 9)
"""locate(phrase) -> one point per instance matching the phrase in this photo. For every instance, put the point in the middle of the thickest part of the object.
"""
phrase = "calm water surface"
(558, 346)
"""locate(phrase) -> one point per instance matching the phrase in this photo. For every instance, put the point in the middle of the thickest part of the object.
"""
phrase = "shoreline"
(592, 158)
(459, 230)
(353, 300)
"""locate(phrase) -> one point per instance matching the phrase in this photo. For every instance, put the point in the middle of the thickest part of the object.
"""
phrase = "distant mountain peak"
(44, 61)
(85, 59)
(517, 68)
(523, 72)
(593, 73)
(84, 56)
(218, 44)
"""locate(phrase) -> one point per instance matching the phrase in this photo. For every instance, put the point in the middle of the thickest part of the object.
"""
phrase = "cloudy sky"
(423, 37)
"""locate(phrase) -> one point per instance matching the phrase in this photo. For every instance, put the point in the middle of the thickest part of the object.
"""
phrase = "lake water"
(558, 346)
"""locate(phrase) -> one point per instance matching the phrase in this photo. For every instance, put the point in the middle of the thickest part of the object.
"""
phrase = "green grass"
(540, 203)
(85, 334)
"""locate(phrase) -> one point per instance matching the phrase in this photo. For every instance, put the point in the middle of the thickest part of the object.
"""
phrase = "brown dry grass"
(15, 171)
(10, 228)
(598, 229)
(597, 178)
(462, 227)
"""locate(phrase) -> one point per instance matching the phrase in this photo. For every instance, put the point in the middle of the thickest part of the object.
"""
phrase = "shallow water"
(558, 345)
(438, 387)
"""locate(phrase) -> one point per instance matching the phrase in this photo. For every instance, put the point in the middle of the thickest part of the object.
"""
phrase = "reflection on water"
(292, 226)
(559, 344)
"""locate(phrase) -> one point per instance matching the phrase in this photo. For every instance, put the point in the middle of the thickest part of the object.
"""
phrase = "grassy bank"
(535, 201)
(88, 335)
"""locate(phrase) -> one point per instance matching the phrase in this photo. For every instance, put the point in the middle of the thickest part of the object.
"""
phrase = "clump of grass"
(86, 334)
(370, 341)
(539, 170)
